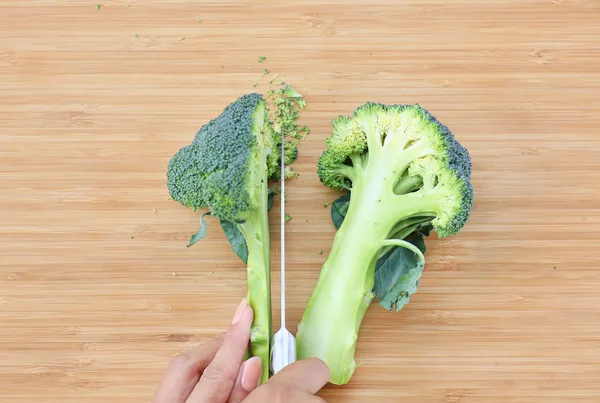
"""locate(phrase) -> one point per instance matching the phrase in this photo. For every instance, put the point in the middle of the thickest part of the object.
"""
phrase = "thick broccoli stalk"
(227, 169)
(404, 170)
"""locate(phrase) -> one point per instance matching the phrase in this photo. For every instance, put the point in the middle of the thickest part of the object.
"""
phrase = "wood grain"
(97, 289)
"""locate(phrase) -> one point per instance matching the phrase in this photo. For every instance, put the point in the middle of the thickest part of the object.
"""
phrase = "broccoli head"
(229, 161)
(405, 171)
(414, 153)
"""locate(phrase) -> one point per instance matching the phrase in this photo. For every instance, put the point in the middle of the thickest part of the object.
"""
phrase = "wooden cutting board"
(97, 288)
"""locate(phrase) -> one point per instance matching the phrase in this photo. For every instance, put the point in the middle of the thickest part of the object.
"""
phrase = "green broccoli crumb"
(261, 59)
(290, 173)
(288, 103)
(288, 218)
(98, 7)
(181, 39)
(320, 252)
(264, 73)
(198, 19)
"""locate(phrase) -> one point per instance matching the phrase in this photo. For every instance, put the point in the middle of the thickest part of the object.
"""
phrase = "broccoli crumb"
(198, 19)
(98, 7)
(261, 59)
(328, 203)
(174, 274)
(154, 210)
(211, 273)
(264, 73)
(290, 173)
(132, 237)
(181, 39)
(288, 103)
(320, 252)
(288, 218)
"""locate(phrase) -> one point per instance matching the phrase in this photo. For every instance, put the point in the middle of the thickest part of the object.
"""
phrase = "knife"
(284, 343)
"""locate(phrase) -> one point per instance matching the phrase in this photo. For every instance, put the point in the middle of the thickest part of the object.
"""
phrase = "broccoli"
(227, 169)
(404, 171)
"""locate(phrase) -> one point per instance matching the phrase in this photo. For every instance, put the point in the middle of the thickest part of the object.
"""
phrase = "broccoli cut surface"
(405, 172)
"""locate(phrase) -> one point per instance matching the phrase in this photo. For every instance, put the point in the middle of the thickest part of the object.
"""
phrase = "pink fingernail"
(251, 372)
(239, 311)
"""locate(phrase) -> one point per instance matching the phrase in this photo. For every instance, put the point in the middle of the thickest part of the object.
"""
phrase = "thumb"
(308, 375)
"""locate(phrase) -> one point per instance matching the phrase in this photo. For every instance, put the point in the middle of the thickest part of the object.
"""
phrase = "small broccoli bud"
(290, 173)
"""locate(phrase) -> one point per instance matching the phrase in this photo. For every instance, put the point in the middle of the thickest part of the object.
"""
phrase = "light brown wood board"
(97, 288)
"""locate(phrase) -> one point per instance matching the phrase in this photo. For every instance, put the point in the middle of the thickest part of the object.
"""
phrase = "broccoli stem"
(256, 232)
(329, 327)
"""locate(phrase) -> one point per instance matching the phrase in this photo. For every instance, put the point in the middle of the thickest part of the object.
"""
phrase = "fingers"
(308, 375)
(247, 380)
(217, 381)
(282, 392)
(183, 372)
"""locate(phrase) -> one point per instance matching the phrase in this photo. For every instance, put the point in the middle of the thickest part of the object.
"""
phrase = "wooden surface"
(97, 288)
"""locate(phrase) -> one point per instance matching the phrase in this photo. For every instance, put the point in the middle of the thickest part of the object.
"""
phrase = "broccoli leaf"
(236, 239)
(235, 236)
(339, 208)
(271, 197)
(400, 294)
(392, 286)
(201, 233)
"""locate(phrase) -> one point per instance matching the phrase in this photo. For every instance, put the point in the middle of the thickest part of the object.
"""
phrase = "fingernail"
(239, 311)
(251, 372)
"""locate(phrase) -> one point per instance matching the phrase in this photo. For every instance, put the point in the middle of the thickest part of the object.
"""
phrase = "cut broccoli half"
(227, 169)
(405, 172)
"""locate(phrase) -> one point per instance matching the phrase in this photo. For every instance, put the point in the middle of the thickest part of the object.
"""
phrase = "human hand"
(213, 372)
(296, 383)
